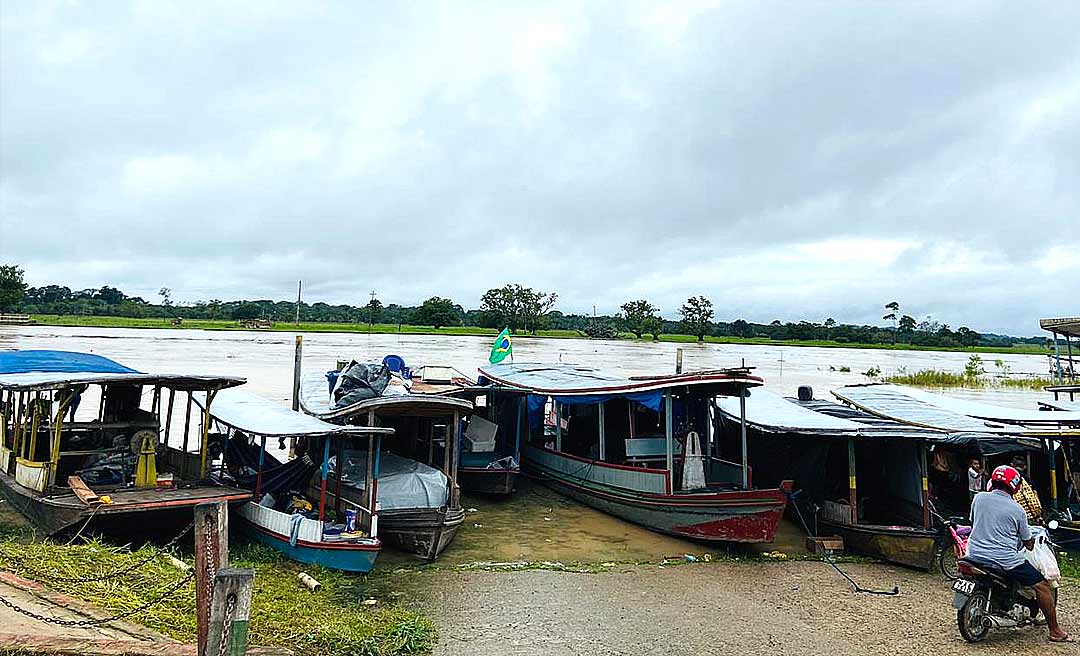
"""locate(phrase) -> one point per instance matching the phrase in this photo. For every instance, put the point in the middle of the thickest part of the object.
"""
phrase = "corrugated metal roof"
(1062, 326)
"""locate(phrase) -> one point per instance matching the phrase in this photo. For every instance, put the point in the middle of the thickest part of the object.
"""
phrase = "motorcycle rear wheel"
(971, 619)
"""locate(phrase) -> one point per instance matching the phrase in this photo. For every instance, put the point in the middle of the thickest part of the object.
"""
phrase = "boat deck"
(134, 500)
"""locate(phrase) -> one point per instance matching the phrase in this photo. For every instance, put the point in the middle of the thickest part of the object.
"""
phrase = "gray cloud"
(789, 160)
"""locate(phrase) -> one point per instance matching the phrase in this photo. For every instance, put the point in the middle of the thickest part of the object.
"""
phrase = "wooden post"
(558, 426)
(454, 449)
(211, 556)
(678, 360)
(369, 482)
(187, 422)
(600, 415)
(35, 417)
(742, 434)
(325, 473)
(168, 415)
(517, 434)
(204, 447)
(669, 440)
(853, 497)
(297, 360)
(229, 612)
(259, 473)
(1053, 475)
(925, 486)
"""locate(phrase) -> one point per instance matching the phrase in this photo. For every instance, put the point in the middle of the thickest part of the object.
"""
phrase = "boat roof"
(1062, 326)
(258, 415)
(771, 413)
(315, 400)
(987, 411)
(900, 404)
(38, 370)
(576, 380)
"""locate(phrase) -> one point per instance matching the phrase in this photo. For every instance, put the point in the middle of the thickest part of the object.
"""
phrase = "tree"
(907, 326)
(967, 337)
(12, 286)
(374, 310)
(437, 312)
(696, 313)
(636, 314)
(893, 312)
(166, 296)
(109, 295)
(830, 323)
(517, 306)
(655, 327)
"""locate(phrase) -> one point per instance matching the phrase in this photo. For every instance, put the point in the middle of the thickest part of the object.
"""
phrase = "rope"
(855, 587)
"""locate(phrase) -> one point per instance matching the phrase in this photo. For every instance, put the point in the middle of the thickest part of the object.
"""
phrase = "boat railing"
(726, 472)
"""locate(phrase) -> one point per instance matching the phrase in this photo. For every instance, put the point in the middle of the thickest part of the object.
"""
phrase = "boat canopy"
(40, 370)
(978, 410)
(771, 413)
(1069, 326)
(572, 384)
(890, 402)
(315, 400)
(258, 415)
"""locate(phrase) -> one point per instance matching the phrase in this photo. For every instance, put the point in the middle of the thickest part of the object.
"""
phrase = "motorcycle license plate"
(964, 587)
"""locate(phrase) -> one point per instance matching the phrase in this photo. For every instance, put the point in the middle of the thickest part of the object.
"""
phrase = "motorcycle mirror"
(1053, 525)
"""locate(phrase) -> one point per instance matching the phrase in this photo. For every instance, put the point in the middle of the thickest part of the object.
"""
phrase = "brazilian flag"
(501, 348)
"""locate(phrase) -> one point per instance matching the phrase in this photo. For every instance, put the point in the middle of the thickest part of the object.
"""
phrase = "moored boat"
(337, 537)
(85, 438)
(420, 499)
(633, 447)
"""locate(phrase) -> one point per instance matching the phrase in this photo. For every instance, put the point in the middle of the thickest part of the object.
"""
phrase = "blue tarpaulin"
(653, 400)
(24, 362)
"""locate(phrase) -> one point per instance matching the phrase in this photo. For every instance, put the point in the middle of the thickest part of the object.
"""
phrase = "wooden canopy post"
(298, 359)
(454, 449)
(1053, 474)
(517, 432)
(17, 438)
(669, 440)
(230, 609)
(853, 497)
(925, 486)
(600, 416)
(211, 556)
(34, 422)
(742, 436)
(1057, 359)
(325, 473)
(168, 414)
(57, 429)
(187, 421)
(558, 426)
(369, 482)
(205, 441)
(259, 473)
(1072, 365)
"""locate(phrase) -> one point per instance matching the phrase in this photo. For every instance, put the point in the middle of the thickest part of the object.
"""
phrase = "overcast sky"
(790, 161)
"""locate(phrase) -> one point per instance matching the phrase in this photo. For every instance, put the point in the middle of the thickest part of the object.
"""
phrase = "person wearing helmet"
(999, 528)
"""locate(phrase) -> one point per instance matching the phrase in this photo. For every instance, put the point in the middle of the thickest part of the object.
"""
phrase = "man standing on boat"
(1026, 495)
(999, 530)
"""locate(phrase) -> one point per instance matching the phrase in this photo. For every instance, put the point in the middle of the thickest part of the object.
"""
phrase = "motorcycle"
(986, 599)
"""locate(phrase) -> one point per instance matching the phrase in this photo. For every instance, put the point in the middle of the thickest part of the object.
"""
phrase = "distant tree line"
(521, 308)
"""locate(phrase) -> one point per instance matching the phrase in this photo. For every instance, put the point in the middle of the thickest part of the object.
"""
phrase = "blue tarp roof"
(25, 362)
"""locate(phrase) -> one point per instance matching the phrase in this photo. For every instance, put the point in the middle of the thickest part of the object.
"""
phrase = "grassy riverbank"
(335, 620)
(389, 329)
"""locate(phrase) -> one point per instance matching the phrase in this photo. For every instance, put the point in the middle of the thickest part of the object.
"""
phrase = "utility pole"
(299, 288)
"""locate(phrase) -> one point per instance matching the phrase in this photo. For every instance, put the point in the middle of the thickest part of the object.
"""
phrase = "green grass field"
(386, 329)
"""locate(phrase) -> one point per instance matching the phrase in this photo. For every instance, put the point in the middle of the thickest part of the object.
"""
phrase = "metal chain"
(211, 560)
(226, 627)
(98, 622)
(101, 577)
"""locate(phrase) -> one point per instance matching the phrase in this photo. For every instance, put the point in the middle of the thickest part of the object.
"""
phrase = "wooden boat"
(428, 430)
(630, 447)
(864, 478)
(245, 418)
(83, 437)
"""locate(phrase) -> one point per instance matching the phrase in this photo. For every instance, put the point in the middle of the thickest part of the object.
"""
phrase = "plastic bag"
(1042, 556)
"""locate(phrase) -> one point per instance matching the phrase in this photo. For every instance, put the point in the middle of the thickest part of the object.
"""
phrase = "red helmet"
(1008, 477)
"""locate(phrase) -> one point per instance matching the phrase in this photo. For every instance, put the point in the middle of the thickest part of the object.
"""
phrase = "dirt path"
(792, 608)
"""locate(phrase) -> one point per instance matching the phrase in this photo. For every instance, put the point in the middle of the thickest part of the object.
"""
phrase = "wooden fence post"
(211, 556)
(229, 611)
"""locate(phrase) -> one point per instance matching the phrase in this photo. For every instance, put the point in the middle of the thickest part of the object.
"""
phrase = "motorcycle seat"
(982, 569)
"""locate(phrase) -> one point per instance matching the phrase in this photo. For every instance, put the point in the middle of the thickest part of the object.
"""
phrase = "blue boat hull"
(347, 558)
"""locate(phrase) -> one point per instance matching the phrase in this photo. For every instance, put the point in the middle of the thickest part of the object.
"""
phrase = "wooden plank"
(83, 491)
(229, 612)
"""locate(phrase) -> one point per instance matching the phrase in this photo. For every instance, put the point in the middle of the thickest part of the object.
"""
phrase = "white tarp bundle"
(403, 483)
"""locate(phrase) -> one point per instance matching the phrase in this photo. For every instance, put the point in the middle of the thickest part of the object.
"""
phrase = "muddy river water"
(535, 524)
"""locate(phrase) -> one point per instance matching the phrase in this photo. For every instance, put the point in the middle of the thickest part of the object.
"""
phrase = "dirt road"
(790, 608)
